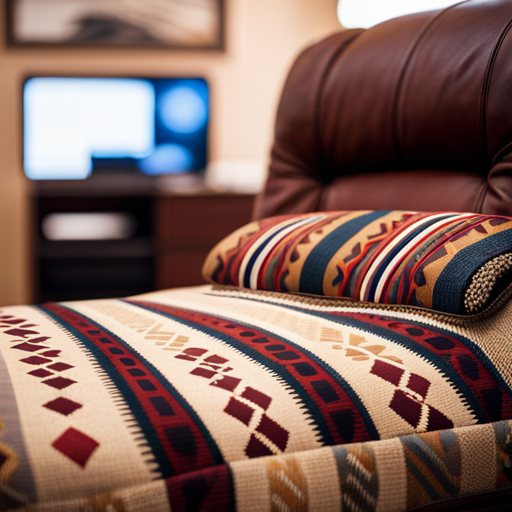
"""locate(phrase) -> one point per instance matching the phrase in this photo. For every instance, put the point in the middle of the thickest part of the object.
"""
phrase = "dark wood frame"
(219, 45)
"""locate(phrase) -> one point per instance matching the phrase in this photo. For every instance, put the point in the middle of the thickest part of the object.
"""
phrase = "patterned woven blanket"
(214, 398)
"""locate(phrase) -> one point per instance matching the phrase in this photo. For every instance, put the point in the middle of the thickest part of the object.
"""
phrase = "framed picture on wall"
(180, 24)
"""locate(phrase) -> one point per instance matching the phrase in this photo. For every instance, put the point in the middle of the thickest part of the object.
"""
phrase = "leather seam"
(409, 58)
(480, 201)
(502, 154)
(484, 92)
(316, 105)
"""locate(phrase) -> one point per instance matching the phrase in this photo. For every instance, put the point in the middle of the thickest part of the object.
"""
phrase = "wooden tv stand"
(177, 225)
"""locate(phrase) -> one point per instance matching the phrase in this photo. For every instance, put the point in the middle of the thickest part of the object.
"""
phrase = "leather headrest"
(425, 93)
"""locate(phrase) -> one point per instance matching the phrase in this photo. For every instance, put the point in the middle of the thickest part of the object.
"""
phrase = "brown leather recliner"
(414, 113)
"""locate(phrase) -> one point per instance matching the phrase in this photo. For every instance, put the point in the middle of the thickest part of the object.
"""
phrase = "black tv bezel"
(29, 76)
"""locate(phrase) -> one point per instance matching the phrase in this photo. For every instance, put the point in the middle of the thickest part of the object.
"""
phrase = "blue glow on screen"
(183, 110)
(167, 158)
(76, 126)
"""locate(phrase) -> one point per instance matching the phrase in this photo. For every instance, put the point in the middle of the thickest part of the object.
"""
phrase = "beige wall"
(262, 38)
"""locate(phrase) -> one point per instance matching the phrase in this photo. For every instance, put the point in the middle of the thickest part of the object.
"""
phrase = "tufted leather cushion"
(414, 113)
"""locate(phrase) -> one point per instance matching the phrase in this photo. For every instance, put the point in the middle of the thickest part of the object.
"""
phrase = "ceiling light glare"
(367, 13)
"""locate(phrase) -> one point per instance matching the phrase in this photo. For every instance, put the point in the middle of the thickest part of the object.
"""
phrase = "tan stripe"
(391, 470)
(292, 281)
(288, 485)
(362, 238)
(478, 451)
(252, 487)
(319, 467)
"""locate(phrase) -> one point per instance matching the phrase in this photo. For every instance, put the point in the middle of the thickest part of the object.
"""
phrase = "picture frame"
(169, 24)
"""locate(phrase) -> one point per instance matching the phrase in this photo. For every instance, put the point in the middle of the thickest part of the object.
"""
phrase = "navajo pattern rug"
(218, 398)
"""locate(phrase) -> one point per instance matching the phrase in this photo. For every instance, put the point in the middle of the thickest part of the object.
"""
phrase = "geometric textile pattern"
(452, 262)
(288, 485)
(75, 445)
(433, 467)
(213, 398)
(246, 404)
(358, 477)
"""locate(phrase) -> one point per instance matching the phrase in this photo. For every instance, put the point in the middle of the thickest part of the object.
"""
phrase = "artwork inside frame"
(180, 24)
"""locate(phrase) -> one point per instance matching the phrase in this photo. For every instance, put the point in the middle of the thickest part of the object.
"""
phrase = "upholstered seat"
(223, 398)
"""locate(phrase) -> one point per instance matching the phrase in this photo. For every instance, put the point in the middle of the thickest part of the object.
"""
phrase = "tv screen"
(74, 126)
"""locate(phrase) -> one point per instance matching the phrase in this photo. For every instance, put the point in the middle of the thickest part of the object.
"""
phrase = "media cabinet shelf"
(175, 232)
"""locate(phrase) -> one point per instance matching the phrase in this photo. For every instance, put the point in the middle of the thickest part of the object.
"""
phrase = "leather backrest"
(412, 114)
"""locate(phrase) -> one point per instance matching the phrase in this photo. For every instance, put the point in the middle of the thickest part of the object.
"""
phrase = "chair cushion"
(456, 263)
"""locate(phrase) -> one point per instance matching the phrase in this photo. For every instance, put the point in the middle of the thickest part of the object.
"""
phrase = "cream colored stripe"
(479, 457)
(277, 239)
(252, 490)
(307, 331)
(256, 244)
(408, 248)
(491, 334)
(390, 247)
(392, 474)
(321, 472)
(103, 416)
(208, 401)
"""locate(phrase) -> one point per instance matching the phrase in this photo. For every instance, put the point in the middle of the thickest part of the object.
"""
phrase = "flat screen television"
(76, 126)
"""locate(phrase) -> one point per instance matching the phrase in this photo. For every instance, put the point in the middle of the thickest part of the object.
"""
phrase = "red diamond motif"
(273, 431)
(60, 367)
(63, 406)
(51, 353)
(16, 321)
(41, 372)
(256, 448)
(406, 407)
(239, 410)
(257, 397)
(185, 358)
(216, 360)
(437, 420)
(196, 352)
(203, 372)
(28, 347)
(228, 383)
(20, 332)
(418, 384)
(387, 372)
(76, 446)
(39, 339)
(59, 382)
(35, 360)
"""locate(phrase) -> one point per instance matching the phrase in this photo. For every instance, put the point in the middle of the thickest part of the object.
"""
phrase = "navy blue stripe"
(454, 280)
(469, 344)
(282, 372)
(428, 456)
(411, 345)
(130, 397)
(384, 263)
(422, 480)
(313, 271)
(254, 257)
